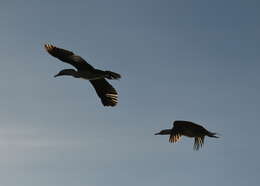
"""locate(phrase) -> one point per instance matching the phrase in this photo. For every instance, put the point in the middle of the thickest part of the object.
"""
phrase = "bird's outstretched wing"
(105, 91)
(198, 142)
(68, 57)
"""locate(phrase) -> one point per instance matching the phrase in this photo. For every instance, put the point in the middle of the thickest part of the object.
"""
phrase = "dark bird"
(189, 129)
(105, 91)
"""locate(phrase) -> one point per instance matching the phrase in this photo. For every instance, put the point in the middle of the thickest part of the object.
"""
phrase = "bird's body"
(188, 129)
(88, 75)
(105, 91)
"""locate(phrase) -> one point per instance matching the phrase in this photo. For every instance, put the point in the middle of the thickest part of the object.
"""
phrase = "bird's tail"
(112, 75)
(212, 134)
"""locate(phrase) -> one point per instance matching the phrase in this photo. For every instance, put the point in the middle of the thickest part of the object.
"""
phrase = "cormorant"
(189, 129)
(104, 90)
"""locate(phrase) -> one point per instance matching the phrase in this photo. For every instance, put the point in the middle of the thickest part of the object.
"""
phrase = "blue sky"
(183, 59)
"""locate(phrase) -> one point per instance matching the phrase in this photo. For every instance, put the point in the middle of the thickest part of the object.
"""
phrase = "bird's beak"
(157, 133)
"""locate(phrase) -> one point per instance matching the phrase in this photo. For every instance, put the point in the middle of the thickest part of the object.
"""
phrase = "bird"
(188, 129)
(106, 92)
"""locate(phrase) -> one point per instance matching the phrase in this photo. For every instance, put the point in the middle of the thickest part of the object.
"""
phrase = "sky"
(179, 60)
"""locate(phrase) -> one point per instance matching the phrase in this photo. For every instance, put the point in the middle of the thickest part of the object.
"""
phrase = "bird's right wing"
(105, 91)
(68, 57)
(198, 142)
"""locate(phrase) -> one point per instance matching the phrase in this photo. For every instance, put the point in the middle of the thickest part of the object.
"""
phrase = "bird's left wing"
(175, 137)
(105, 91)
(176, 133)
(68, 57)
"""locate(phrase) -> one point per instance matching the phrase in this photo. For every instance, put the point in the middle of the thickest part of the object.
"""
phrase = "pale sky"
(179, 60)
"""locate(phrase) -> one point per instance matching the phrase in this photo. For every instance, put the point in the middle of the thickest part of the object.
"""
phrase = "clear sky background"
(179, 59)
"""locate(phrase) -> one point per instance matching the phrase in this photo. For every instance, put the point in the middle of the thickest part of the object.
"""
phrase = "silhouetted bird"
(105, 91)
(189, 129)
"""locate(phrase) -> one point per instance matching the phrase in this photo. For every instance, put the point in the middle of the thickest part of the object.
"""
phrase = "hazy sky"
(195, 60)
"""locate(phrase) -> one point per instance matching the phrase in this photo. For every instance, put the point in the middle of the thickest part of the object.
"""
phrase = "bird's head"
(67, 72)
(164, 132)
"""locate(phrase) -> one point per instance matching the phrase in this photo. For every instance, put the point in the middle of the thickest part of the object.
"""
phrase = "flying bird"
(106, 92)
(189, 129)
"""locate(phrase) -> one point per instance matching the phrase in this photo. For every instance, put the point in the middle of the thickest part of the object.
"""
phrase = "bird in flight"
(106, 92)
(189, 129)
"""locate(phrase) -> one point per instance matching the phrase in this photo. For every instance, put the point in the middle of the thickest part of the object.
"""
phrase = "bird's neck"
(75, 74)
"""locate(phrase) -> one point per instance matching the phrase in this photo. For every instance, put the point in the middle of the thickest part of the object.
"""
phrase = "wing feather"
(105, 91)
(68, 57)
(198, 142)
(174, 137)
